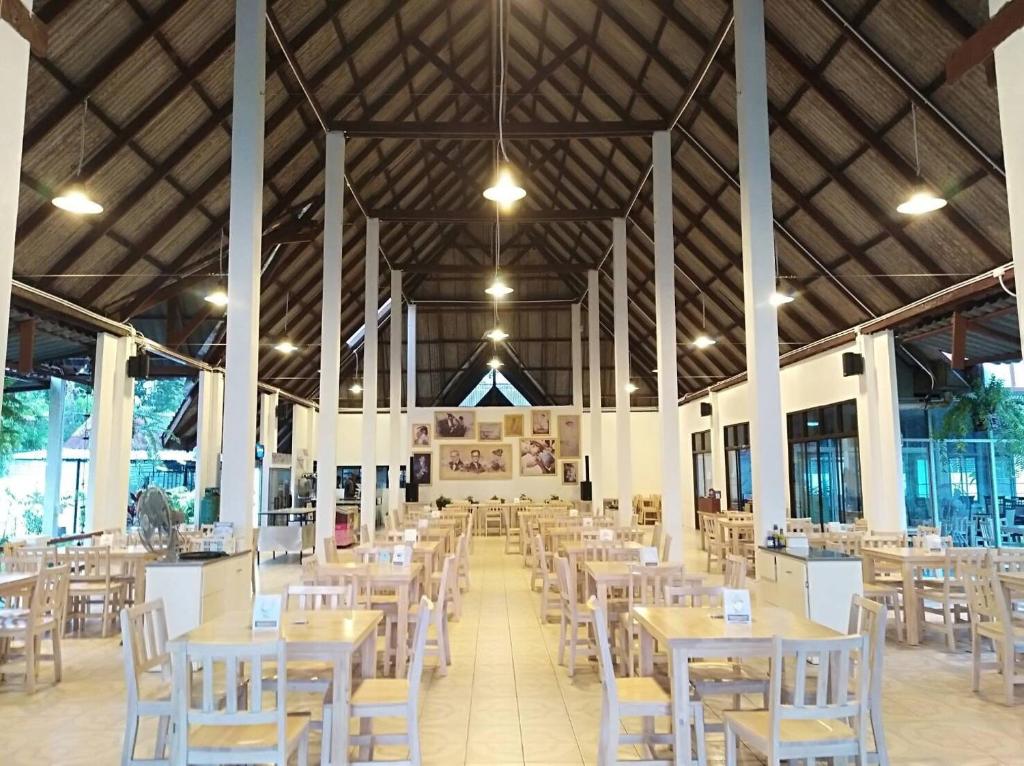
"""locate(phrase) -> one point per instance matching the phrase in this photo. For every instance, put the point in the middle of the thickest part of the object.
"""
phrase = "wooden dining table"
(16, 583)
(736, 532)
(604, 575)
(426, 552)
(124, 558)
(334, 636)
(908, 560)
(690, 632)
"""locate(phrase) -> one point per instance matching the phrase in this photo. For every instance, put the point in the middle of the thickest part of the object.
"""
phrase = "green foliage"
(986, 407)
(24, 426)
(156, 402)
(442, 501)
(183, 499)
(31, 521)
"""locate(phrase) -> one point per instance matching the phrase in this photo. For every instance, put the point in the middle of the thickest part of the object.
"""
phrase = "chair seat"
(15, 624)
(381, 691)
(881, 589)
(754, 725)
(248, 737)
(85, 587)
(643, 690)
(994, 630)
(723, 671)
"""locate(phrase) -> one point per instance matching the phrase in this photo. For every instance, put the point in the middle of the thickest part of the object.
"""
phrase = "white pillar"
(665, 320)
(410, 360)
(14, 52)
(767, 448)
(330, 338)
(395, 443)
(623, 441)
(244, 251)
(576, 340)
(268, 438)
(594, 364)
(209, 433)
(110, 435)
(1009, 58)
(303, 446)
(54, 455)
(878, 419)
(368, 501)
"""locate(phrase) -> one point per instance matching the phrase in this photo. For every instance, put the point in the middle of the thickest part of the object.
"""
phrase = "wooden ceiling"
(414, 84)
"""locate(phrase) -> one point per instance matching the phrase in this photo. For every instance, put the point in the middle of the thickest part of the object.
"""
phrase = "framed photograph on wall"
(488, 432)
(513, 425)
(538, 457)
(422, 468)
(455, 424)
(420, 436)
(570, 471)
(540, 422)
(475, 461)
(568, 436)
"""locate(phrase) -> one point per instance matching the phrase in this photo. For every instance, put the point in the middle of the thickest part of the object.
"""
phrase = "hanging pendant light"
(497, 335)
(284, 345)
(923, 199)
(495, 363)
(219, 296)
(504, 190)
(356, 388)
(498, 288)
(74, 198)
(631, 388)
(779, 298)
(703, 340)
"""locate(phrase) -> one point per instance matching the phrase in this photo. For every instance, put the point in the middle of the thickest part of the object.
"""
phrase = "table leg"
(402, 631)
(428, 573)
(646, 652)
(910, 606)
(340, 708)
(680, 685)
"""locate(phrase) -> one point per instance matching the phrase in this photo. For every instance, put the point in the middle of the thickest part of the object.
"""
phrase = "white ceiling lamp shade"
(219, 296)
(779, 298)
(923, 199)
(285, 346)
(703, 341)
(356, 388)
(504, 191)
(498, 288)
(74, 198)
(495, 363)
(497, 335)
(631, 388)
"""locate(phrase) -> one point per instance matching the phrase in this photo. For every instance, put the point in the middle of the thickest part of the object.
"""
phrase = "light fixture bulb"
(497, 334)
(498, 289)
(704, 341)
(505, 190)
(218, 297)
(75, 199)
(356, 388)
(495, 363)
(920, 202)
(631, 388)
(286, 347)
(780, 299)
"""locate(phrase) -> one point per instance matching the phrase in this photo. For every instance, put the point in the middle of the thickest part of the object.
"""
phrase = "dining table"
(602, 576)
(328, 635)
(909, 560)
(126, 560)
(575, 551)
(16, 583)
(426, 552)
(690, 632)
(736, 532)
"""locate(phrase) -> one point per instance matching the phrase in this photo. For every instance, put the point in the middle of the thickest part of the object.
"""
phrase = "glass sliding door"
(824, 463)
(738, 481)
(701, 446)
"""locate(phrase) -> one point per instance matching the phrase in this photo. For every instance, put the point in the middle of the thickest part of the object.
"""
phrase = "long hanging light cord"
(501, 77)
(917, 155)
(81, 138)
(923, 199)
(74, 197)
(219, 296)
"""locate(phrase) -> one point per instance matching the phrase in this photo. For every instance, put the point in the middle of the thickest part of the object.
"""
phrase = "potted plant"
(985, 407)
(442, 501)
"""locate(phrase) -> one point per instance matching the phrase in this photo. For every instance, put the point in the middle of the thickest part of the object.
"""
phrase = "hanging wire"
(81, 143)
(220, 255)
(703, 313)
(287, 295)
(913, 122)
(501, 77)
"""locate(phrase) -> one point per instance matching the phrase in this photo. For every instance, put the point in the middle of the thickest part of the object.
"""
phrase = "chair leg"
(730, 746)
(30, 663)
(698, 727)
(574, 636)
(365, 731)
(561, 642)
(975, 661)
(326, 734)
(131, 734)
(303, 754)
(58, 664)
(414, 735)
(1008, 671)
(878, 730)
(163, 730)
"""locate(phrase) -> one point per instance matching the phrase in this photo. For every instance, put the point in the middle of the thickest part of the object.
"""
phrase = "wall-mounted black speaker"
(705, 409)
(853, 364)
(586, 491)
(138, 366)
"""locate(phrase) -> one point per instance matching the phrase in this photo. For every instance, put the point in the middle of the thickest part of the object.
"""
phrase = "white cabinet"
(197, 591)
(814, 584)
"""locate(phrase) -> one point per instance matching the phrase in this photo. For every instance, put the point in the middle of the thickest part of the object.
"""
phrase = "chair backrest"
(868, 618)
(50, 594)
(656, 536)
(689, 594)
(214, 662)
(825, 695)
(346, 575)
(329, 550)
(800, 526)
(712, 530)
(89, 563)
(540, 553)
(666, 546)
(419, 643)
(29, 558)
(735, 571)
(844, 542)
(312, 598)
(884, 540)
(144, 643)
(926, 530)
(986, 600)
(1008, 559)
(566, 583)
(647, 583)
(604, 655)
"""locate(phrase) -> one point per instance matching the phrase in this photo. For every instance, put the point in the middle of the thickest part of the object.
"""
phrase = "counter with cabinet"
(811, 582)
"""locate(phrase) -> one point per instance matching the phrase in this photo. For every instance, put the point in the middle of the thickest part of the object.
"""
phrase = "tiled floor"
(506, 700)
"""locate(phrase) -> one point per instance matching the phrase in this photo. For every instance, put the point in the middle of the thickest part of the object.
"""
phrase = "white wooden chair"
(646, 588)
(735, 571)
(250, 730)
(329, 551)
(868, 618)
(574, 616)
(32, 625)
(462, 548)
(715, 546)
(664, 546)
(388, 698)
(946, 595)
(637, 696)
(549, 583)
(315, 597)
(144, 647)
(799, 526)
(992, 620)
(93, 583)
(440, 645)
(828, 716)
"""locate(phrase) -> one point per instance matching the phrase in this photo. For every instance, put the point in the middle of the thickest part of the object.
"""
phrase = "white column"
(767, 448)
(878, 419)
(410, 360)
(209, 432)
(368, 502)
(665, 320)
(14, 52)
(110, 434)
(54, 455)
(395, 444)
(1009, 58)
(268, 438)
(303, 446)
(594, 364)
(330, 338)
(244, 251)
(576, 336)
(623, 440)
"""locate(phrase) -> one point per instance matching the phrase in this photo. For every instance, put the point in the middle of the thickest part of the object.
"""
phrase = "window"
(824, 463)
(701, 443)
(738, 483)
(494, 379)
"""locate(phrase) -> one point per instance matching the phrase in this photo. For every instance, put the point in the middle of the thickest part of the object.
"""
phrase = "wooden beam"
(982, 44)
(27, 342)
(487, 216)
(27, 25)
(522, 269)
(958, 350)
(486, 131)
